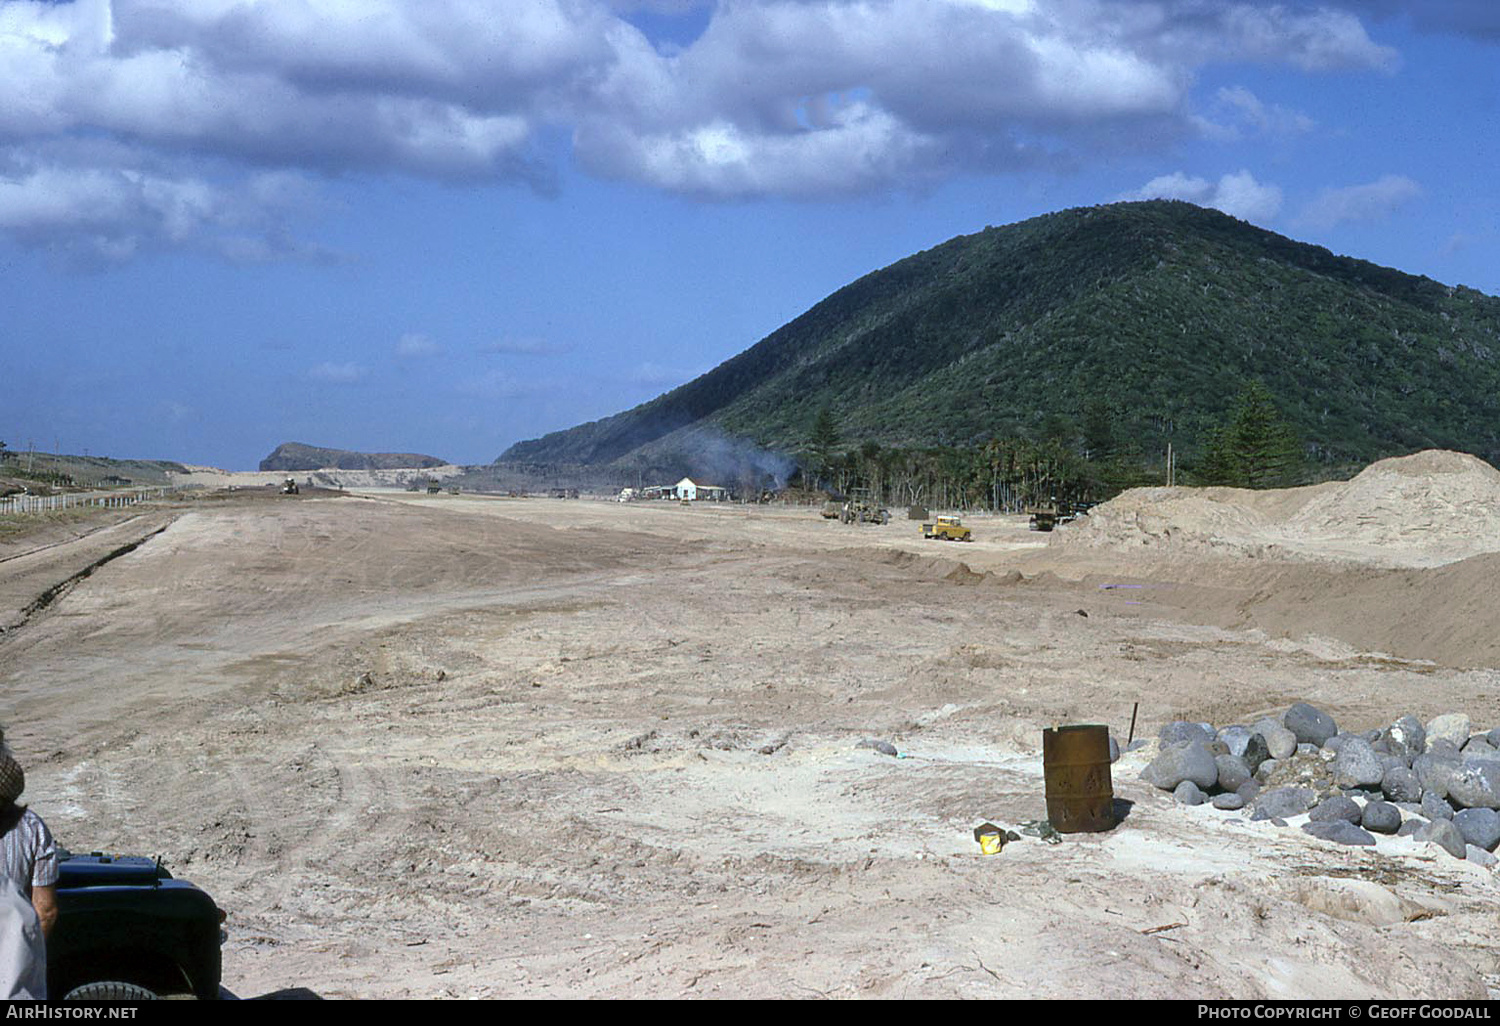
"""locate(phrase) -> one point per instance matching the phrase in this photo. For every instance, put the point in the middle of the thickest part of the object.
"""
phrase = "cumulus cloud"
(106, 207)
(1238, 194)
(1373, 201)
(774, 98)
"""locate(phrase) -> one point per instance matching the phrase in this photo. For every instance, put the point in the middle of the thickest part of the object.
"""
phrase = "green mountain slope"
(1156, 313)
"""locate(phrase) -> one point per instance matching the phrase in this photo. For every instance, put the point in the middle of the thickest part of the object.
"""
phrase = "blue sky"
(444, 226)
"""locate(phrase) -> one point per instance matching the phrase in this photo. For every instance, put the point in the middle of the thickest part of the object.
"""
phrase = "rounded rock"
(1400, 784)
(1357, 765)
(1436, 807)
(1187, 793)
(1340, 831)
(1312, 726)
(1280, 802)
(1381, 818)
(1228, 802)
(1409, 733)
(1476, 784)
(1235, 737)
(1337, 808)
(1480, 857)
(1191, 761)
(1445, 835)
(1233, 773)
(1480, 827)
(1182, 731)
(1435, 771)
(1454, 727)
(1280, 742)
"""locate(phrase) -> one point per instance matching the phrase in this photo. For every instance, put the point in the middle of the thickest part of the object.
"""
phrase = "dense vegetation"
(1094, 338)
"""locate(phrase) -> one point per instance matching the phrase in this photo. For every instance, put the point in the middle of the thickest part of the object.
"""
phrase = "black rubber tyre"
(109, 990)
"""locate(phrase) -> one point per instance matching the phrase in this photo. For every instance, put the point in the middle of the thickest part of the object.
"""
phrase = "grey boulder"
(1452, 727)
(1233, 773)
(1480, 827)
(1187, 793)
(1400, 784)
(1280, 742)
(1330, 809)
(1236, 738)
(1191, 761)
(1357, 765)
(1339, 830)
(1281, 802)
(1381, 818)
(1180, 732)
(1480, 857)
(1408, 733)
(1476, 784)
(1311, 726)
(1436, 807)
(1445, 835)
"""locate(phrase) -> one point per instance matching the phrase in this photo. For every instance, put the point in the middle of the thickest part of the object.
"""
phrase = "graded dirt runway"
(472, 747)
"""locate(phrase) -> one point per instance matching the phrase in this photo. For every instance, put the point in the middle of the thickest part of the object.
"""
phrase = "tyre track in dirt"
(33, 580)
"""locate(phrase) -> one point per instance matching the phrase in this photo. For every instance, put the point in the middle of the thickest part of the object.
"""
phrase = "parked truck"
(947, 529)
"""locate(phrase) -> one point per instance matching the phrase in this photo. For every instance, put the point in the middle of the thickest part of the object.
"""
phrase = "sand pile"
(1428, 509)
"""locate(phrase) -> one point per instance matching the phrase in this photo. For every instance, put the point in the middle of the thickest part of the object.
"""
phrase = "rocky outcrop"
(296, 457)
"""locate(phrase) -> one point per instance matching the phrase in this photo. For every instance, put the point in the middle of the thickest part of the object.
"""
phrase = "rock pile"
(1437, 782)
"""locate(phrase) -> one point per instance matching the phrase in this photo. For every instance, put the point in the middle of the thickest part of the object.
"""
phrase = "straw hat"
(12, 778)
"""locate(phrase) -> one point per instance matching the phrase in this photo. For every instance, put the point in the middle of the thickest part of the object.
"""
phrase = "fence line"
(56, 503)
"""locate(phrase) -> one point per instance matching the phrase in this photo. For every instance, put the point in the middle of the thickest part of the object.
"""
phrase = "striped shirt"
(28, 855)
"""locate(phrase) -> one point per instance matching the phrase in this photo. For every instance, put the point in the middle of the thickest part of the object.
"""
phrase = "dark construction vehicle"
(128, 930)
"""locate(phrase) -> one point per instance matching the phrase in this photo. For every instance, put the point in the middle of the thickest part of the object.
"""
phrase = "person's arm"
(44, 900)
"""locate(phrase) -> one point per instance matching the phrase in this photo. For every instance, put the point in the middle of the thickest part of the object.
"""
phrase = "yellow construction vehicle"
(947, 529)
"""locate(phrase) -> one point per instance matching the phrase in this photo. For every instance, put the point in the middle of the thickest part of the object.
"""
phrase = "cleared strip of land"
(454, 746)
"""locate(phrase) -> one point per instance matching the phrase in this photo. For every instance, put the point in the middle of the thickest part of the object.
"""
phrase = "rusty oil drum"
(1080, 794)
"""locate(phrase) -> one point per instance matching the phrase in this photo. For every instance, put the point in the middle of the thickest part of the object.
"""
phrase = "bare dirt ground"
(453, 746)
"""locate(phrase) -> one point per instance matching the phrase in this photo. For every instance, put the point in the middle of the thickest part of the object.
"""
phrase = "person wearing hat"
(28, 888)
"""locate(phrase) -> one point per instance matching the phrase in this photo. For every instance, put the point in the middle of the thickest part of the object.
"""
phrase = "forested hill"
(1152, 316)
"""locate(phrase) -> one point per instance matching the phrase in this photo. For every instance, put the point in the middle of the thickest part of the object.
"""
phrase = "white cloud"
(1237, 194)
(777, 97)
(414, 345)
(337, 373)
(1373, 201)
(1245, 108)
(102, 209)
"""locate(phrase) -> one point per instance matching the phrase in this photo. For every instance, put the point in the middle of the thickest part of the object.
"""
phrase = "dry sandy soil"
(455, 746)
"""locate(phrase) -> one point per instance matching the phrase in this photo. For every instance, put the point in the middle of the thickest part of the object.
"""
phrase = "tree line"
(1088, 460)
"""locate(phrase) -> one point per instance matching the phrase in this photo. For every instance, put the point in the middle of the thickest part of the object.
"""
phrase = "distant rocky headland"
(294, 456)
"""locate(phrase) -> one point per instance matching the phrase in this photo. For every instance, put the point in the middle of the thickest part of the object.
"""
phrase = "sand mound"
(1428, 509)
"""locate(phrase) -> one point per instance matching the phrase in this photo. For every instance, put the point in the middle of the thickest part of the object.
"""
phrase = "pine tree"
(824, 440)
(1255, 448)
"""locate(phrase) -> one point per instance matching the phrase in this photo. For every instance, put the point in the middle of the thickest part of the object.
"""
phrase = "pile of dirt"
(1428, 509)
(1444, 505)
